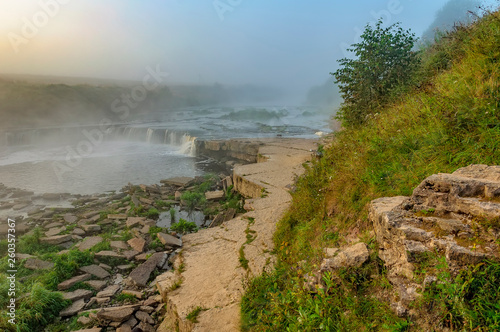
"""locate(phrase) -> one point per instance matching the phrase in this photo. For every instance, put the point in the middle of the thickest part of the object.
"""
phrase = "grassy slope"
(452, 119)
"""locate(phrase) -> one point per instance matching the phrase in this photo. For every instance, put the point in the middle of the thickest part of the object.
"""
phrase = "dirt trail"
(212, 276)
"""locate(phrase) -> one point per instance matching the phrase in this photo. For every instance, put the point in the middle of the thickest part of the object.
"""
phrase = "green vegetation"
(183, 226)
(448, 118)
(193, 315)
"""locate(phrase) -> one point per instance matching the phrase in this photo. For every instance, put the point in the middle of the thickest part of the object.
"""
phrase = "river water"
(95, 159)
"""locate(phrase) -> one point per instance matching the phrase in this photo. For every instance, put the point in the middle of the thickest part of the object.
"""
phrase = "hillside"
(446, 117)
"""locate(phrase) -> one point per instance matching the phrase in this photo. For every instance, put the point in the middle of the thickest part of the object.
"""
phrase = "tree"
(384, 64)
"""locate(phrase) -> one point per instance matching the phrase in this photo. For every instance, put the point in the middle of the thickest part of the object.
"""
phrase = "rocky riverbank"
(127, 267)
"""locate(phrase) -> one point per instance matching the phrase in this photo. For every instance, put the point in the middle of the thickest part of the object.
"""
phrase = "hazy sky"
(279, 43)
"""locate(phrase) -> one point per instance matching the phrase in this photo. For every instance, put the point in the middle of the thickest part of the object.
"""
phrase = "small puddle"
(165, 219)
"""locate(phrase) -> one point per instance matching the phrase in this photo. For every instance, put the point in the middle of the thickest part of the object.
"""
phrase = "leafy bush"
(385, 63)
(193, 200)
(183, 226)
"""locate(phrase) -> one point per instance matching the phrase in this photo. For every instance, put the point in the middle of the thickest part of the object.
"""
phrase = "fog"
(290, 45)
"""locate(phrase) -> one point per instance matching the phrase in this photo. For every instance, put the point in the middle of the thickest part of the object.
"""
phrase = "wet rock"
(96, 271)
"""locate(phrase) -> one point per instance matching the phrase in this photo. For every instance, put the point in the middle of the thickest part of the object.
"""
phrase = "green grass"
(449, 119)
(192, 316)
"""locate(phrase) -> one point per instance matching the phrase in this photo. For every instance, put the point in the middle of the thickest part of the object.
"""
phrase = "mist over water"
(66, 160)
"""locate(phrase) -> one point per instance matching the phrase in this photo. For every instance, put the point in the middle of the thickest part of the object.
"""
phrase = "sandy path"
(213, 277)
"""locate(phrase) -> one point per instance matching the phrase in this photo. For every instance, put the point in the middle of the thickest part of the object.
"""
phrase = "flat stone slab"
(109, 291)
(73, 281)
(130, 254)
(37, 264)
(140, 275)
(77, 295)
(89, 242)
(96, 284)
(95, 270)
(214, 195)
(109, 254)
(55, 231)
(23, 256)
(78, 231)
(52, 225)
(132, 221)
(132, 292)
(73, 309)
(69, 218)
(178, 181)
(120, 216)
(91, 228)
(119, 245)
(116, 314)
(137, 243)
(57, 239)
(169, 240)
(94, 329)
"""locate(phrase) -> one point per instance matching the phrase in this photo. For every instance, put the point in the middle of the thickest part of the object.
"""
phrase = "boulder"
(353, 256)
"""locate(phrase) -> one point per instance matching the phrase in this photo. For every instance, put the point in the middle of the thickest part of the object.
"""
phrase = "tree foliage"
(384, 64)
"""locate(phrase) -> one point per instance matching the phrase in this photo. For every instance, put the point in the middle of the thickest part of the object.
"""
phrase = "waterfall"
(187, 145)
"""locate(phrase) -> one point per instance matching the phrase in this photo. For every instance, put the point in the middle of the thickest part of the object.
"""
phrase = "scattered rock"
(89, 242)
(73, 308)
(73, 281)
(37, 264)
(138, 244)
(69, 218)
(144, 317)
(96, 284)
(353, 256)
(214, 195)
(95, 270)
(55, 231)
(134, 293)
(108, 291)
(117, 216)
(119, 245)
(169, 240)
(91, 228)
(116, 314)
(77, 295)
(132, 221)
(140, 275)
(57, 239)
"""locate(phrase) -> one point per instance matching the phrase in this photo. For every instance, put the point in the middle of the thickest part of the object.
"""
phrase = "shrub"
(183, 226)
